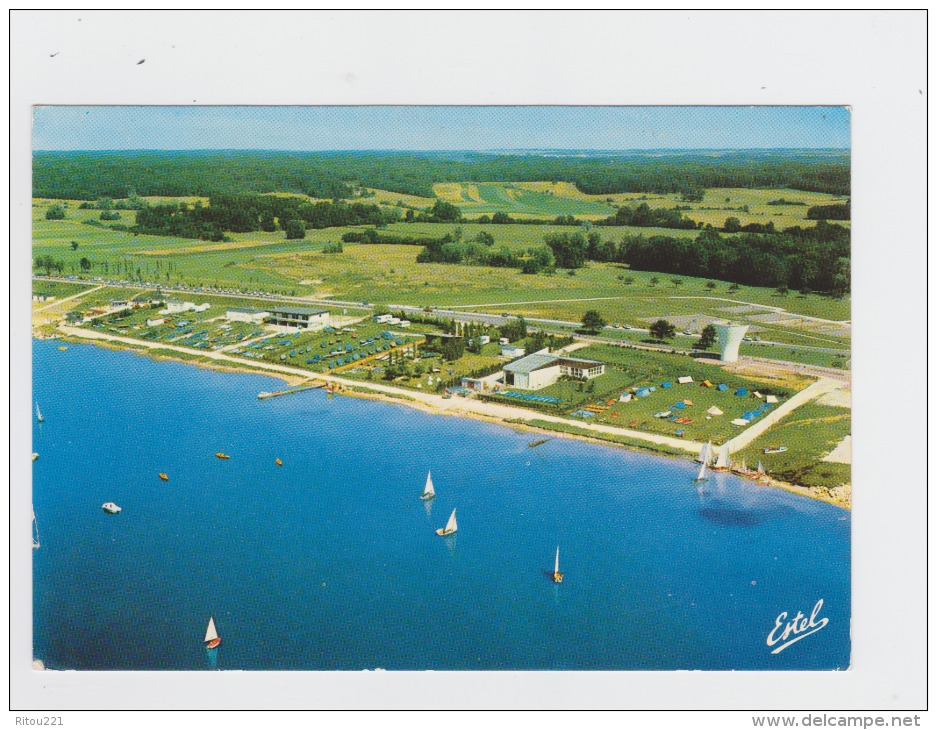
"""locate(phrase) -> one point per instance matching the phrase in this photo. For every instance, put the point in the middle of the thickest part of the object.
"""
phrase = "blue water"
(331, 561)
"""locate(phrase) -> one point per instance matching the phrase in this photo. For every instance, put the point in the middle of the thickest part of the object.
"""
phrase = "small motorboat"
(538, 442)
(279, 463)
(110, 508)
(164, 477)
(222, 456)
(63, 348)
(35, 456)
(557, 575)
(212, 640)
(774, 450)
(450, 528)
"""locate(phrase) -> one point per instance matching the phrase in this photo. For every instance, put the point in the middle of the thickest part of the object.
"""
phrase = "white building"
(512, 351)
(541, 369)
(177, 305)
(155, 322)
(204, 306)
(246, 314)
(299, 317)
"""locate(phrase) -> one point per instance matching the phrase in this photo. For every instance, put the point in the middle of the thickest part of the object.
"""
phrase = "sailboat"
(701, 477)
(428, 491)
(557, 575)
(39, 414)
(761, 469)
(722, 461)
(35, 531)
(450, 527)
(706, 453)
(211, 634)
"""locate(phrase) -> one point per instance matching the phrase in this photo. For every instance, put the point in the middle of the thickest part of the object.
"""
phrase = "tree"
(85, 264)
(55, 213)
(654, 281)
(676, 281)
(485, 238)
(74, 245)
(295, 229)
(629, 280)
(782, 290)
(707, 337)
(662, 330)
(733, 225)
(710, 285)
(569, 250)
(592, 321)
(734, 288)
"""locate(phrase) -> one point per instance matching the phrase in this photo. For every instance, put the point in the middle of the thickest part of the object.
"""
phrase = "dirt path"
(57, 302)
(431, 402)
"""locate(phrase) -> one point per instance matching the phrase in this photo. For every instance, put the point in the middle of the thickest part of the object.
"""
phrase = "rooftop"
(532, 362)
(297, 310)
(246, 310)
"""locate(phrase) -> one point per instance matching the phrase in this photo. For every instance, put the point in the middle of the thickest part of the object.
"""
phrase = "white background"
(873, 61)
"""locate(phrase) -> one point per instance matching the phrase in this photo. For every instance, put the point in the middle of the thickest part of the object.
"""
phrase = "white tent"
(771, 399)
(625, 397)
(714, 411)
(757, 394)
(684, 379)
(740, 422)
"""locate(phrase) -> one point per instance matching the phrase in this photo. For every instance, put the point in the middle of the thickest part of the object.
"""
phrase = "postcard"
(548, 392)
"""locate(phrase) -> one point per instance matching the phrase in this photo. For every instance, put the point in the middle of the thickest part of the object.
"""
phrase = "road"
(429, 401)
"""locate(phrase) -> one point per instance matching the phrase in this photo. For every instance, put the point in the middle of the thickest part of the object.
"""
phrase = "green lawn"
(809, 433)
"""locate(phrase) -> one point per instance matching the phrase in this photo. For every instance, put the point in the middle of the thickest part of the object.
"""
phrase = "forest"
(335, 175)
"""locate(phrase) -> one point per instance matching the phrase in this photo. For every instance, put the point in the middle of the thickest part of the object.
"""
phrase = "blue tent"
(750, 415)
(741, 391)
(679, 404)
(722, 386)
(642, 393)
(665, 384)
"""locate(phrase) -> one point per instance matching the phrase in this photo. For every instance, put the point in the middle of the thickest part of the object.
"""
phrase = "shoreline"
(837, 496)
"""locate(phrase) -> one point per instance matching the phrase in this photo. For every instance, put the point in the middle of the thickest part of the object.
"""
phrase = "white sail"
(428, 490)
(722, 462)
(744, 468)
(211, 634)
(761, 469)
(39, 413)
(451, 525)
(556, 565)
(702, 472)
(35, 531)
(705, 453)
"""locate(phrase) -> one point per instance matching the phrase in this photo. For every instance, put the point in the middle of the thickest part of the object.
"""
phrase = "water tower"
(730, 337)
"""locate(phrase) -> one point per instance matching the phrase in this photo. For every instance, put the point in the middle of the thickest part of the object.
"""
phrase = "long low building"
(298, 317)
(541, 369)
(246, 314)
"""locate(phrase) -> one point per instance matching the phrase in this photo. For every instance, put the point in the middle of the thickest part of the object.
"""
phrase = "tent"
(678, 404)
(625, 397)
(652, 388)
(741, 391)
(684, 379)
(722, 386)
(662, 414)
(714, 411)
(687, 402)
(665, 384)
(643, 393)
(740, 422)
(771, 399)
(756, 394)
(750, 415)
(706, 384)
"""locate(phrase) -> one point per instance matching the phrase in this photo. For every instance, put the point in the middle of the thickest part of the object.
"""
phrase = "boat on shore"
(109, 507)
(723, 463)
(557, 575)
(774, 450)
(429, 491)
(212, 640)
(450, 528)
(35, 455)
(222, 456)
(706, 453)
(538, 442)
(164, 477)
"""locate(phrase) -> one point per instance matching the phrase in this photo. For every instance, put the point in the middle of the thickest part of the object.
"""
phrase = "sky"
(437, 128)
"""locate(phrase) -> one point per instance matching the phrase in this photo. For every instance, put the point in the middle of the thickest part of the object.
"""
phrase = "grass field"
(809, 433)
(389, 274)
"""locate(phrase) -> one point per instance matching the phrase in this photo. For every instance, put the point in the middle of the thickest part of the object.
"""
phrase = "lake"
(331, 560)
